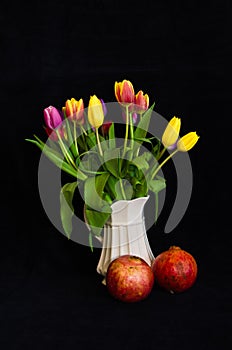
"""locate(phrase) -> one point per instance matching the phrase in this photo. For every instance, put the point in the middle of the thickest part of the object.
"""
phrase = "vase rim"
(125, 201)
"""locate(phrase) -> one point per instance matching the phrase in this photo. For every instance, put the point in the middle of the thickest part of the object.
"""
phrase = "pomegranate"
(175, 269)
(129, 278)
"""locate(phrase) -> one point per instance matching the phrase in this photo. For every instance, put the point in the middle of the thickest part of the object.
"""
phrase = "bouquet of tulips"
(84, 143)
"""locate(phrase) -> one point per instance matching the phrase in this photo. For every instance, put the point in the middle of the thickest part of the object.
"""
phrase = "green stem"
(131, 131)
(75, 136)
(126, 133)
(98, 142)
(83, 129)
(165, 160)
(66, 154)
(156, 206)
(161, 153)
(70, 138)
(122, 189)
(140, 118)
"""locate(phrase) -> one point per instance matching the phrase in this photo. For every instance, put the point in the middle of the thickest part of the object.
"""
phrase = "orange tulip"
(75, 110)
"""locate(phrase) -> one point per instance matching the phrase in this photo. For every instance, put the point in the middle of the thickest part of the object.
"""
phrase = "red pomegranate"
(175, 269)
(129, 278)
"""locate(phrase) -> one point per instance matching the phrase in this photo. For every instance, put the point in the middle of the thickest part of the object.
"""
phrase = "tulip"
(141, 102)
(187, 142)
(52, 117)
(103, 106)
(75, 110)
(105, 128)
(95, 112)
(171, 133)
(124, 92)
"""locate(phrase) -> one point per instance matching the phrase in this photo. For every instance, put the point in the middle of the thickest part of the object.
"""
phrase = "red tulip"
(124, 92)
(141, 102)
(105, 128)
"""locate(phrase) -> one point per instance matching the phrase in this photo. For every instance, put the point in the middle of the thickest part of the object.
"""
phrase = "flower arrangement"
(83, 143)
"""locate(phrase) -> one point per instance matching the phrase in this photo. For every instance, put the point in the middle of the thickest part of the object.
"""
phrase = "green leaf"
(70, 138)
(100, 182)
(135, 182)
(91, 139)
(156, 148)
(143, 125)
(111, 157)
(59, 161)
(66, 206)
(96, 220)
(112, 141)
(81, 143)
(56, 158)
(144, 139)
(156, 185)
(92, 198)
(110, 185)
(141, 162)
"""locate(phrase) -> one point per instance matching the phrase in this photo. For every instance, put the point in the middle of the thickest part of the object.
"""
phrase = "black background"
(179, 52)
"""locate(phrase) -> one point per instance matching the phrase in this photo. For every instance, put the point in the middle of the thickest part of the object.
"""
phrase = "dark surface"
(51, 296)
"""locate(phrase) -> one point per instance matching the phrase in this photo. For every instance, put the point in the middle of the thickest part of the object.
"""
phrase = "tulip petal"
(95, 112)
(187, 141)
(171, 132)
(52, 117)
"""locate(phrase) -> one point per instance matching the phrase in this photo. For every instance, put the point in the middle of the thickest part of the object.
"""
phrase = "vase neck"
(128, 212)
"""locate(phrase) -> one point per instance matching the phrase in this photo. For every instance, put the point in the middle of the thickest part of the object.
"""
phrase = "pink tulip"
(52, 117)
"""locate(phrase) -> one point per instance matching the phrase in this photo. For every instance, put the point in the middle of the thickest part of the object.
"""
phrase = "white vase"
(125, 233)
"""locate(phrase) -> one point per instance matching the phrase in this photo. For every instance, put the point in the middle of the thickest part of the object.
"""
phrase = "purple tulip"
(103, 107)
(52, 117)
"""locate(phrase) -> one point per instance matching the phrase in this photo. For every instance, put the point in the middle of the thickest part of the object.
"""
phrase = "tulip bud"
(124, 92)
(75, 110)
(187, 141)
(52, 117)
(171, 133)
(95, 112)
(105, 128)
(141, 102)
(103, 106)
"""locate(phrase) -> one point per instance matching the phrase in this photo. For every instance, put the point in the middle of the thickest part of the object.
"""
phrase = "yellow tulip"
(187, 142)
(95, 112)
(171, 132)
